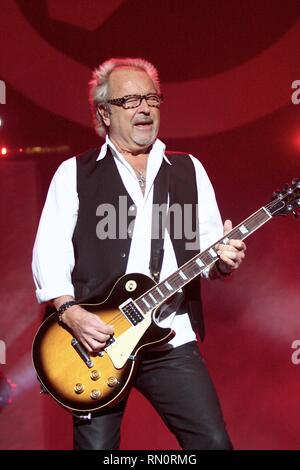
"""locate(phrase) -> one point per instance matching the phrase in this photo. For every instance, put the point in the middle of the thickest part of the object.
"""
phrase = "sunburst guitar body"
(81, 381)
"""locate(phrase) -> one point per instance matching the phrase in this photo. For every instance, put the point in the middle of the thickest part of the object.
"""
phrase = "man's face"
(132, 130)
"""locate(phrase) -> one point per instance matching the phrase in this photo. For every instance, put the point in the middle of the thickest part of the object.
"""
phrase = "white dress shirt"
(53, 255)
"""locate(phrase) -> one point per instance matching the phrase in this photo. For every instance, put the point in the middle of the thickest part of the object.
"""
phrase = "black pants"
(178, 385)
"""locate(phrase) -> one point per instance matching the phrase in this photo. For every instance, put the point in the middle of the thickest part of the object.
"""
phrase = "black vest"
(99, 262)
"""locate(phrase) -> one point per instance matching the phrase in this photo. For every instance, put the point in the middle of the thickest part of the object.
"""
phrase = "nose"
(144, 107)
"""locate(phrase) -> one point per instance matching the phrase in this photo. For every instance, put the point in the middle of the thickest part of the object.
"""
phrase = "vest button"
(132, 208)
(123, 255)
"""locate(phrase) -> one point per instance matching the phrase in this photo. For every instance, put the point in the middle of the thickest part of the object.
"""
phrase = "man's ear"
(104, 114)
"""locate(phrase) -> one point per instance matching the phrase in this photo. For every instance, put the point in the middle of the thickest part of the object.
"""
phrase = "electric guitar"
(86, 382)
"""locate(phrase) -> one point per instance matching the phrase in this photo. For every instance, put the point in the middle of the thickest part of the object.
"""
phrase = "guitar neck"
(158, 294)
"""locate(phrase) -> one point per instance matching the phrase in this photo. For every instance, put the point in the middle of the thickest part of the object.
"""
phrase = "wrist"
(217, 273)
(62, 309)
(222, 272)
(58, 301)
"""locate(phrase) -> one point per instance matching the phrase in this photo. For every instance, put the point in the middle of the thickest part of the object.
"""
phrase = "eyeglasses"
(133, 101)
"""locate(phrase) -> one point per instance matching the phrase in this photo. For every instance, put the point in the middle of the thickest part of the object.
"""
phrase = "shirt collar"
(158, 147)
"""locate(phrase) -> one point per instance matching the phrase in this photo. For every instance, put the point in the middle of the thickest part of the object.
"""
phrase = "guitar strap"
(159, 218)
(162, 188)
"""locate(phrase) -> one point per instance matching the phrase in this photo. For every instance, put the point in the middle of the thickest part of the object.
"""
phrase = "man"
(74, 260)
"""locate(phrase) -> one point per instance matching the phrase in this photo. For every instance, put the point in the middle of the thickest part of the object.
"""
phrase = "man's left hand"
(232, 254)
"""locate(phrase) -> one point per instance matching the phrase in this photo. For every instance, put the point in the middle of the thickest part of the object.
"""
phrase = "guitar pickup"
(82, 352)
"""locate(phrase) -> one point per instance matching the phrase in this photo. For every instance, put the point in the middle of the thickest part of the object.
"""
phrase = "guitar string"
(235, 232)
(173, 278)
(120, 317)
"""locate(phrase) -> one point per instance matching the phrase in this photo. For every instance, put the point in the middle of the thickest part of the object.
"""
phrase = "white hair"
(98, 86)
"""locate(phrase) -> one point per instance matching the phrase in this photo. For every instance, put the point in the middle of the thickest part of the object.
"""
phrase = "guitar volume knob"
(79, 388)
(95, 394)
(112, 381)
(95, 374)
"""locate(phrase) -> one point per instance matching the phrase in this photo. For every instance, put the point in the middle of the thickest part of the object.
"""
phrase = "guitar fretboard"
(158, 294)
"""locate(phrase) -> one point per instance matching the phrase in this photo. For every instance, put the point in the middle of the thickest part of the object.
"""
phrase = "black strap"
(159, 218)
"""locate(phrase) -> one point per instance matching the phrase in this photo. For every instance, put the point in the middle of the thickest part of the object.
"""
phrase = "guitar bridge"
(82, 352)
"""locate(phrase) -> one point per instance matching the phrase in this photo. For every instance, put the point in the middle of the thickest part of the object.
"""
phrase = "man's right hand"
(87, 327)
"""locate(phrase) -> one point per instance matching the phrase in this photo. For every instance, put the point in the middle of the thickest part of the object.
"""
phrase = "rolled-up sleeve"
(53, 254)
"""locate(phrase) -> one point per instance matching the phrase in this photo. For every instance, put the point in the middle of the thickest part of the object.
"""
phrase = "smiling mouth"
(143, 125)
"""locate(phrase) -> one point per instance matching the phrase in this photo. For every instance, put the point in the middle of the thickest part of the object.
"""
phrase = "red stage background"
(227, 69)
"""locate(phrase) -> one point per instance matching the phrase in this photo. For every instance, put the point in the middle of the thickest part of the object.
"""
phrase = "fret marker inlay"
(153, 298)
(243, 229)
(160, 292)
(182, 275)
(212, 253)
(200, 263)
(145, 302)
(168, 286)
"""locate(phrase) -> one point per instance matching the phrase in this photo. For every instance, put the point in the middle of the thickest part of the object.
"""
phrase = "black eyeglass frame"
(122, 101)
